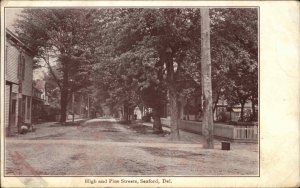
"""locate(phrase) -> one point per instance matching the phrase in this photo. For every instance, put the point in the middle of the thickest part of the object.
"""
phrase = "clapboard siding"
(6, 103)
(12, 63)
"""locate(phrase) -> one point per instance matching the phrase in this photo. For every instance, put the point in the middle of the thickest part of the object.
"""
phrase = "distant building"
(40, 85)
(137, 112)
(191, 109)
(232, 113)
(79, 105)
(39, 101)
(18, 83)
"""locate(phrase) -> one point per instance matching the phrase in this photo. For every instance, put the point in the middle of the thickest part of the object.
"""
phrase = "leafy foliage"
(138, 55)
(61, 34)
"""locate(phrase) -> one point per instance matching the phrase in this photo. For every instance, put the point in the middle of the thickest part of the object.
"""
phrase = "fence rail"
(248, 133)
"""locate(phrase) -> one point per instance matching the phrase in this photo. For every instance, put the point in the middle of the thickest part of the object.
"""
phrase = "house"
(40, 85)
(223, 111)
(190, 109)
(40, 102)
(18, 83)
(79, 104)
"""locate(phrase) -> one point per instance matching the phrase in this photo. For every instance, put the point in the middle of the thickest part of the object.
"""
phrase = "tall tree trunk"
(172, 95)
(242, 110)
(63, 105)
(207, 123)
(216, 102)
(253, 111)
(64, 98)
(157, 126)
(196, 108)
(123, 113)
(130, 113)
(174, 114)
(126, 113)
(188, 109)
(200, 111)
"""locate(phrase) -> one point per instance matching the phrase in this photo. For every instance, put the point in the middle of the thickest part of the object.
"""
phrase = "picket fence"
(231, 132)
(245, 132)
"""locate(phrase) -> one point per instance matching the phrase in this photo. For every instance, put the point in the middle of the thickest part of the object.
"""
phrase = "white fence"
(245, 133)
(231, 132)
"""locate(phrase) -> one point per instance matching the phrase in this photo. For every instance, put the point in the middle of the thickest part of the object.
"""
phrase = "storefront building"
(18, 83)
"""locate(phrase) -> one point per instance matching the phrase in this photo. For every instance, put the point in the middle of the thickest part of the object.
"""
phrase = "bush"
(124, 122)
(242, 123)
(222, 117)
(146, 118)
(232, 123)
(50, 114)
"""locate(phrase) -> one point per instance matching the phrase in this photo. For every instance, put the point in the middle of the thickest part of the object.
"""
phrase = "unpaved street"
(104, 147)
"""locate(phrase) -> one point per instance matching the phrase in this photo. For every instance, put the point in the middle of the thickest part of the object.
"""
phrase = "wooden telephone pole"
(207, 122)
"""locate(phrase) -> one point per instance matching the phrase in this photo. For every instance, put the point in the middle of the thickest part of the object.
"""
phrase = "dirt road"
(107, 148)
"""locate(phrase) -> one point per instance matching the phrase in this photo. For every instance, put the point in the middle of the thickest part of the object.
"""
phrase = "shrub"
(146, 118)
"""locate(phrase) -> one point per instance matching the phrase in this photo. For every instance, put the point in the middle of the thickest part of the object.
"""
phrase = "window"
(28, 107)
(21, 68)
(23, 107)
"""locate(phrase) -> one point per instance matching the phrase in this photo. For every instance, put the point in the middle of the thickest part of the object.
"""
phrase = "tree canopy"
(62, 35)
(146, 56)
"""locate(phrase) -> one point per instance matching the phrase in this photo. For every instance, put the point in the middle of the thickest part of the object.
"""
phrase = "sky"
(11, 14)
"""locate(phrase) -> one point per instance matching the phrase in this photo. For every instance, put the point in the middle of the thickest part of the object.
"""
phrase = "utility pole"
(207, 122)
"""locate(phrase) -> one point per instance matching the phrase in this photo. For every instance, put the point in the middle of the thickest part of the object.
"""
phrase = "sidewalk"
(164, 127)
(192, 137)
(223, 131)
(184, 135)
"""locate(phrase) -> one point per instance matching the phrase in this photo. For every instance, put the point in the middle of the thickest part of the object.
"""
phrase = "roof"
(17, 41)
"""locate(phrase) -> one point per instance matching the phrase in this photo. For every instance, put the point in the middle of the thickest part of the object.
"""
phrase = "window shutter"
(19, 67)
(23, 67)
(20, 87)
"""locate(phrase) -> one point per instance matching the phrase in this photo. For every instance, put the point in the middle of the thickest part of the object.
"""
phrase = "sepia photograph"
(132, 91)
(149, 94)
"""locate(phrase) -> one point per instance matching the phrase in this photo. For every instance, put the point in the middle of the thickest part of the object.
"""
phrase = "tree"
(172, 37)
(207, 123)
(115, 90)
(62, 35)
(154, 97)
(235, 55)
(149, 44)
(243, 75)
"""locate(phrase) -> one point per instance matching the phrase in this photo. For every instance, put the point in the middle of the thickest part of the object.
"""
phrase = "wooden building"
(18, 83)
